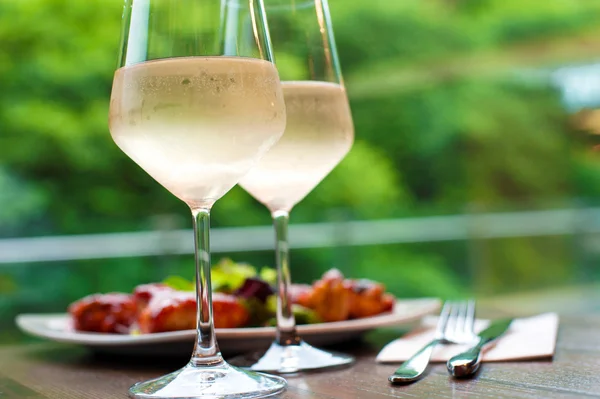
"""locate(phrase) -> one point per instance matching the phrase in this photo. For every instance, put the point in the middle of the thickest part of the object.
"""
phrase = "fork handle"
(412, 369)
(467, 363)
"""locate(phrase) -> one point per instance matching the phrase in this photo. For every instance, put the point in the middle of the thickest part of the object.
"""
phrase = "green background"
(455, 113)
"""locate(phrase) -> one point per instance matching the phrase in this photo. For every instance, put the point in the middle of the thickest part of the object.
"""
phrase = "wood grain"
(53, 371)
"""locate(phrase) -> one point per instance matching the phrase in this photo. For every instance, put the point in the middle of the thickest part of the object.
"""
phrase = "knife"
(467, 363)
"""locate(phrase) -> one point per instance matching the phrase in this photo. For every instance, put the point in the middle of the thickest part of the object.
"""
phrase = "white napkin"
(527, 338)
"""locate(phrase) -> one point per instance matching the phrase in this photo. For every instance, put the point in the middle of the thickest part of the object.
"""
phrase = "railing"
(353, 233)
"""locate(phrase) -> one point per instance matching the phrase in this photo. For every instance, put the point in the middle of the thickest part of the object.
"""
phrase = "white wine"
(318, 134)
(197, 124)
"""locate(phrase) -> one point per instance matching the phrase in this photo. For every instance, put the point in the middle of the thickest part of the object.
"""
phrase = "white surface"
(526, 339)
(56, 327)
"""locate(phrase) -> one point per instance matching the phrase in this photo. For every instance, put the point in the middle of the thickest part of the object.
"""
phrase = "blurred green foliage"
(446, 122)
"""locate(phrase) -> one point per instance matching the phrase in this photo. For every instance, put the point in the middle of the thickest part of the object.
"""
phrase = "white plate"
(231, 340)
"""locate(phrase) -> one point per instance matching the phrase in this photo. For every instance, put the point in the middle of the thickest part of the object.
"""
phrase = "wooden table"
(54, 371)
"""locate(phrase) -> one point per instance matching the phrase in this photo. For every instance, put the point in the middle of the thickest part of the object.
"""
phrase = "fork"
(455, 326)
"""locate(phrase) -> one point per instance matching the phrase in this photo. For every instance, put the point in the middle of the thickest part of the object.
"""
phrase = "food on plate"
(336, 298)
(254, 288)
(302, 314)
(107, 313)
(229, 312)
(145, 292)
(329, 297)
(176, 310)
(168, 311)
(243, 296)
(368, 298)
(299, 291)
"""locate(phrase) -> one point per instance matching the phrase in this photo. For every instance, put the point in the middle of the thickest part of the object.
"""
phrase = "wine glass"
(196, 102)
(318, 134)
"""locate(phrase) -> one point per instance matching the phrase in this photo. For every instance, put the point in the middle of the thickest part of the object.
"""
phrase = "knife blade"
(467, 363)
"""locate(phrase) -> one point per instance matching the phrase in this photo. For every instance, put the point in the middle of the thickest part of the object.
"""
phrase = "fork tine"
(452, 320)
(443, 320)
(461, 322)
(470, 320)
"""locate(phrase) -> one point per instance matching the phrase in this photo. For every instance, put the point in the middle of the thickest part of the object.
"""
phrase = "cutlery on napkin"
(467, 363)
(526, 339)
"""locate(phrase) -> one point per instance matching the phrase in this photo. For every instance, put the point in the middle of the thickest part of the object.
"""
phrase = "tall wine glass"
(195, 103)
(319, 133)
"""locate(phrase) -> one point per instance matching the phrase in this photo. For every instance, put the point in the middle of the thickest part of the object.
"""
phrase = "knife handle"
(412, 369)
(467, 363)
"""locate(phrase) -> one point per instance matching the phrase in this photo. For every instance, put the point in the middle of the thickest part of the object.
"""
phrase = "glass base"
(292, 359)
(209, 382)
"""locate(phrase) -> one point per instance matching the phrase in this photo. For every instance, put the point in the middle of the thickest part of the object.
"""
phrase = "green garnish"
(268, 275)
(302, 314)
(228, 276)
(179, 283)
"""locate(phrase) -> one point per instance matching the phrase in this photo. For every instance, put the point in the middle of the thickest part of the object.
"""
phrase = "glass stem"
(286, 324)
(206, 351)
